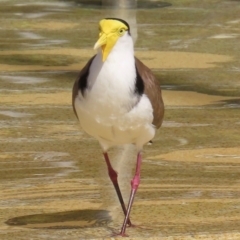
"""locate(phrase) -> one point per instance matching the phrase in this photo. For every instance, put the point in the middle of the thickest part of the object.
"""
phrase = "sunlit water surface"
(54, 183)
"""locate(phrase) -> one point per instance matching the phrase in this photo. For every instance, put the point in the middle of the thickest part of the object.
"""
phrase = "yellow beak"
(106, 42)
(102, 42)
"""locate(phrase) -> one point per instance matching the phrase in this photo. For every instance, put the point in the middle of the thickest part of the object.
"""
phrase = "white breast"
(110, 110)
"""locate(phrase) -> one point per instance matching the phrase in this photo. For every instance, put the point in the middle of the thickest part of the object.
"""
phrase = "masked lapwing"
(118, 100)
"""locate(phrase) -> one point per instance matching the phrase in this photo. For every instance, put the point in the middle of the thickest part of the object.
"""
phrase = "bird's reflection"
(123, 4)
(124, 9)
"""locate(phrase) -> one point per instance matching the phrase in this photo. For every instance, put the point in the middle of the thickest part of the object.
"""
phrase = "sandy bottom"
(158, 60)
(217, 155)
(41, 197)
(50, 25)
(54, 183)
(171, 98)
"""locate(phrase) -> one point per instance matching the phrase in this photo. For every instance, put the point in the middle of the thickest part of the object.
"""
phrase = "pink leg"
(134, 183)
(113, 176)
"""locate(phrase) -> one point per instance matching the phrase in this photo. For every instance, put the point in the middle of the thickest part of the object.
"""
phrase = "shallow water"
(53, 177)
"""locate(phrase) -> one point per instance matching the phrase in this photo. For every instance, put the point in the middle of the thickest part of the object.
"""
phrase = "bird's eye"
(121, 31)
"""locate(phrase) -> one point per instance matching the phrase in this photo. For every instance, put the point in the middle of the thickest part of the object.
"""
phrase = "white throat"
(113, 79)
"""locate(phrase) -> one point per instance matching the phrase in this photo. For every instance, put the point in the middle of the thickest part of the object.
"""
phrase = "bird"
(118, 101)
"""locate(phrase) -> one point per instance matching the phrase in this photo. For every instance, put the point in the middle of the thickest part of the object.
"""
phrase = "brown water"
(53, 177)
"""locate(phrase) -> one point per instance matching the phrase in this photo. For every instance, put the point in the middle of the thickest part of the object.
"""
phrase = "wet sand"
(171, 98)
(53, 179)
(158, 60)
(187, 203)
(212, 155)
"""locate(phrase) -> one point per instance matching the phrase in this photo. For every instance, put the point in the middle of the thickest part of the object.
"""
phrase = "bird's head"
(110, 30)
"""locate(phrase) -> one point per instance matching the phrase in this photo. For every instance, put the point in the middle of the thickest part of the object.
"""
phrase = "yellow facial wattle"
(110, 31)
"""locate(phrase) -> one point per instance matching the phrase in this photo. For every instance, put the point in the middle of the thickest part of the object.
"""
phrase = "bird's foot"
(117, 234)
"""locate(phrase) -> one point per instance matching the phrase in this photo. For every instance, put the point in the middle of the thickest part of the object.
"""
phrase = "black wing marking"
(139, 84)
(82, 81)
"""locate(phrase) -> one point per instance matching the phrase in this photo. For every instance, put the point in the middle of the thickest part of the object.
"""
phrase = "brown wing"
(153, 91)
(81, 82)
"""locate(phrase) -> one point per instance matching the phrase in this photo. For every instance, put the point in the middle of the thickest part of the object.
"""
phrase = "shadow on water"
(128, 4)
(63, 220)
(48, 167)
(232, 103)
